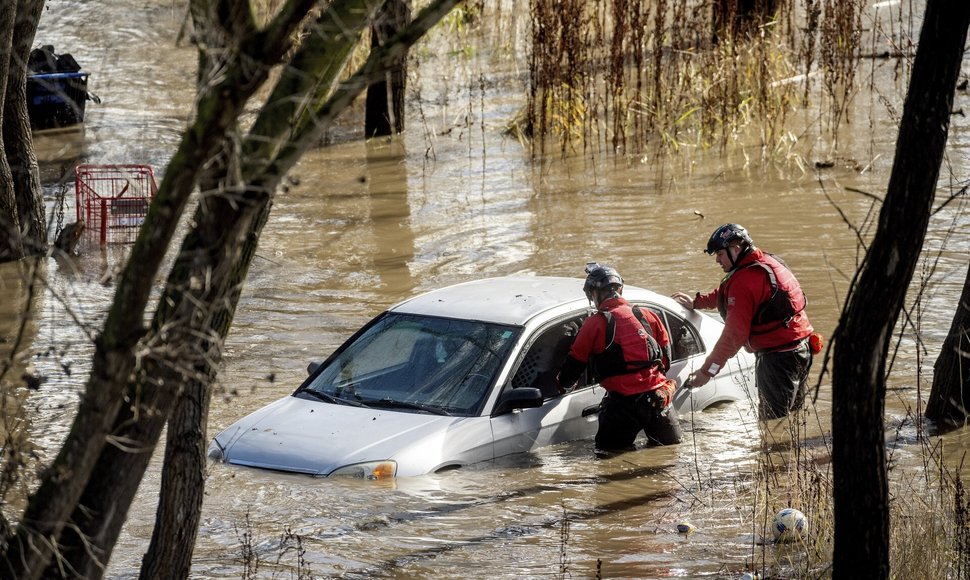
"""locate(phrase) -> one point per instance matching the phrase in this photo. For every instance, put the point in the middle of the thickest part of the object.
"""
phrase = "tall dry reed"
(626, 76)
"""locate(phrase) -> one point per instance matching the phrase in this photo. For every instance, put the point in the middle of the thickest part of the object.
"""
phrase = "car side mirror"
(312, 367)
(521, 398)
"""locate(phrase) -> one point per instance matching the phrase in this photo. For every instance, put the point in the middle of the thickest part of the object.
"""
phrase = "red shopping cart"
(113, 200)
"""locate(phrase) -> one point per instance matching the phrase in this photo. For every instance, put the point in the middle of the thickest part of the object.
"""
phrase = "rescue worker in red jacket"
(628, 350)
(763, 308)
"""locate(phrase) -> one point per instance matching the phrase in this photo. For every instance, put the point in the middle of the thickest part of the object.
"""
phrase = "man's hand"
(656, 400)
(661, 397)
(563, 389)
(684, 300)
(698, 379)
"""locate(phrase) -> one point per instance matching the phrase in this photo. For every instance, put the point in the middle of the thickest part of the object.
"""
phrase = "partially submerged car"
(460, 375)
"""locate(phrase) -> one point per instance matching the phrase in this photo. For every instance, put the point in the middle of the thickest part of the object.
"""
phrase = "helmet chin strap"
(741, 254)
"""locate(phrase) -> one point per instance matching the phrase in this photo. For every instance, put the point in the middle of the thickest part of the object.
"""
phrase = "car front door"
(562, 417)
(569, 417)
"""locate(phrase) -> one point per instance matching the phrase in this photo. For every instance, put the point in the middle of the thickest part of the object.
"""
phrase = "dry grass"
(930, 527)
(630, 76)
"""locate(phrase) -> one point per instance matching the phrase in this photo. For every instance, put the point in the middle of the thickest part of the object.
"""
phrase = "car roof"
(511, 300)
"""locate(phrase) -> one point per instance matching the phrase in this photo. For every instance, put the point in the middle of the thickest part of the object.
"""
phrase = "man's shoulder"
(646, 311)
(748, 279)
(598, 318)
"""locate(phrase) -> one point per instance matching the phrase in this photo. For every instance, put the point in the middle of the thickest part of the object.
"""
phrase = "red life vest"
(786, 299)
(631, 351)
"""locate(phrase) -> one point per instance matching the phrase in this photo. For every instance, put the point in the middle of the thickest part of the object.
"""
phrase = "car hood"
(315, 437)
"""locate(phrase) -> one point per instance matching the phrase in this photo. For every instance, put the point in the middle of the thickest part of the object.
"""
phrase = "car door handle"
(591, 410)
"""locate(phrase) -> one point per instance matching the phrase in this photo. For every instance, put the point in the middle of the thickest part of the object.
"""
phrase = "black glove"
(655, 400)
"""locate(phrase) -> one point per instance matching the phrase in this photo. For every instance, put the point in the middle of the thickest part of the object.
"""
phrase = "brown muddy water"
(453, 200)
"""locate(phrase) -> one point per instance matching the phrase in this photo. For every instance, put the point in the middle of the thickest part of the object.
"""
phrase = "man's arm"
(698, 300)
(593, 329)
(707, 300)
(742, 299)
(569, 372)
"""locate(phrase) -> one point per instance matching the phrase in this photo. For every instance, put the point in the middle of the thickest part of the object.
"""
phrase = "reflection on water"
(364, 225)
(64, 145)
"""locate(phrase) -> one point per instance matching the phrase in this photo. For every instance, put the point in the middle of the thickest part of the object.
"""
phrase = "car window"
(540, 364)
(684, 339)
(408, 361)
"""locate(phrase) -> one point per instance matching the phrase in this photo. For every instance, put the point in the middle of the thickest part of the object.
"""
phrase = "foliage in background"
(631, 76)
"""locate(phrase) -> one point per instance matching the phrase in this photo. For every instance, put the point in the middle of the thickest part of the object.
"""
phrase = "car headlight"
(367, 470)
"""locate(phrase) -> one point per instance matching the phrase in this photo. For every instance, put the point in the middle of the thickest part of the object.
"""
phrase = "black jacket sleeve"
(570, 372)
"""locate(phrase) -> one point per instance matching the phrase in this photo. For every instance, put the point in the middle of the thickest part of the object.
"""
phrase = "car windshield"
(417, 364)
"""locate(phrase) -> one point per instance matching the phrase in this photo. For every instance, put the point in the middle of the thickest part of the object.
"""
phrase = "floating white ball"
(789, 524)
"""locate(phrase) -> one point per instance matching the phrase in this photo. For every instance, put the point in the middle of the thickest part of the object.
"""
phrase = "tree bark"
(732, 18)
(308, 79)
(219, 106)
(33, 548)
(183, 475)
(17, 136)
(11, 248)
(949, 400)
(384, 111)
(861, 495)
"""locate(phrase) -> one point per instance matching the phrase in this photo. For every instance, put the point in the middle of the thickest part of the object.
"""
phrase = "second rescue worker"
(763, 308)
(629, 351)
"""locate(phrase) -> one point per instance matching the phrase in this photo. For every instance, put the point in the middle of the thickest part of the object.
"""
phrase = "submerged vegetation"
(930, 510)
(635, 76)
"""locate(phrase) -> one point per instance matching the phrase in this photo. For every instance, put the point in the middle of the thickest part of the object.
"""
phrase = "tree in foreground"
(864, 333)
(73, 519)
(23, 226)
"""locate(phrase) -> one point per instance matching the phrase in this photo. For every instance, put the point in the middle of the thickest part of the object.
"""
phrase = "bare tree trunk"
(861, 494)
(180, 502)
(33, 548)
(949, 401)
(183, 476)
(219, 106)
(384, 113)
(236, 218)
(180, 505)
(172, 545)
(11, 248)
(732, 18)
(17, 137)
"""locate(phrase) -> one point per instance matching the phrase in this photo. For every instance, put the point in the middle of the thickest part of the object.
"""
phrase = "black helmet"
(724, 235)
(599, 277)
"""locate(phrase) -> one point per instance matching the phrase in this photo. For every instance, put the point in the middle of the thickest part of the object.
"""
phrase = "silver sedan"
(460, 375)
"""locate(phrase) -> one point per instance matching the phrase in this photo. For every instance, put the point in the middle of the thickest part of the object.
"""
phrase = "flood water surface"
(366, 225)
